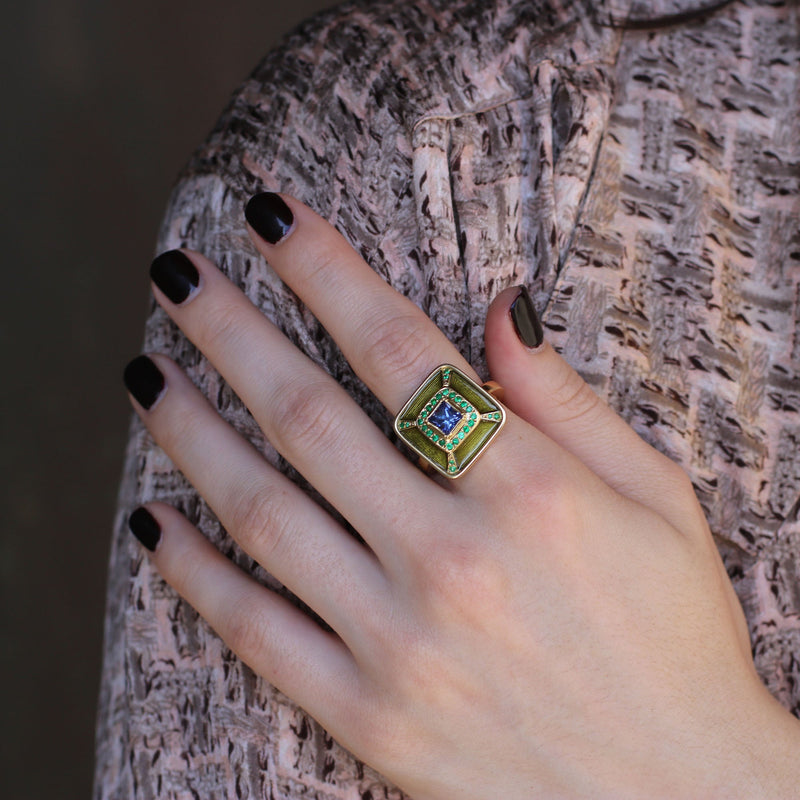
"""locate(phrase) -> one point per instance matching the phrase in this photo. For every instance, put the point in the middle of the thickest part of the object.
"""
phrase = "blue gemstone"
(445, 417)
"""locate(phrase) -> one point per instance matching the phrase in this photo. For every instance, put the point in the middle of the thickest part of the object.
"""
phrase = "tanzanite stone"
(445, 417)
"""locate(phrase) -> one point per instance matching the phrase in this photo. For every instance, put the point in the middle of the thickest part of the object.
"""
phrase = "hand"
(555, 623)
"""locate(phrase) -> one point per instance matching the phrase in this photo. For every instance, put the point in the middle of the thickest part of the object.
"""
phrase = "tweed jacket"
(640, 175)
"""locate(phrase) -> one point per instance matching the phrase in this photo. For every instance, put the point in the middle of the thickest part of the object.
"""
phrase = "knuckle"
(463, 578)
(458, 563)
(548, 503)
(380, 731)
(315, 262)
(304, 417)
(554, 503)
(408, 662)
(185, 571)
(221, 329)
(573, 397)
(185, 420)
(243, 626)
(397, 345)
(263, 524)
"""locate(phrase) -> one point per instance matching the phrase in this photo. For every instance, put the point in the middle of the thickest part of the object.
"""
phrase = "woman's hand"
(555, 623)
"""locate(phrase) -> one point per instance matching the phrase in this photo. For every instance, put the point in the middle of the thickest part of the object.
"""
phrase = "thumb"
(545, 391)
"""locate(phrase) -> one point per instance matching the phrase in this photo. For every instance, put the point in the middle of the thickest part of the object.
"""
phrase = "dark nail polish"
(144, 381)
(526, 320)
(269, 216)
(175, 275)
(144, 527)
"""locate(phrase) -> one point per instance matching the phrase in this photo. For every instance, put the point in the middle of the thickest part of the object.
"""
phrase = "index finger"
(389, 342)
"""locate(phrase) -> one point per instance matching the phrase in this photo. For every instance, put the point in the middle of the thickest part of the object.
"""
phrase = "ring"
(450, 420)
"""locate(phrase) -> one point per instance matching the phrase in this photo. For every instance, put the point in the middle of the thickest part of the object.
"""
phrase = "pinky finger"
(266, 631)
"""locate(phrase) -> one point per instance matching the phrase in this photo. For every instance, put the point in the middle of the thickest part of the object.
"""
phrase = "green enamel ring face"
(449, 421)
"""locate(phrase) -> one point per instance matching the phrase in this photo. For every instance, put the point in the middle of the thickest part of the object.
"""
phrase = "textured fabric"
(645, 185)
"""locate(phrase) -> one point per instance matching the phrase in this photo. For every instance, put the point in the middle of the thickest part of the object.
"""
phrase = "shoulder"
(367, 69)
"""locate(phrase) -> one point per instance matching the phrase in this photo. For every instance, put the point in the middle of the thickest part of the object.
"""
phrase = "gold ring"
(450, 420)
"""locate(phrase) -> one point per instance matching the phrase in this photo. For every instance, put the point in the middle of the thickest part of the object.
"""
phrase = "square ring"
(449, 421)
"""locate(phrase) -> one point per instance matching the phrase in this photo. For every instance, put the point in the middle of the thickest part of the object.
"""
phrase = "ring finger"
(390, 343)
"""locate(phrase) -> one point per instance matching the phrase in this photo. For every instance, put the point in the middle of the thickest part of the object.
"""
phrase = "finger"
(266, 631)
(544, 390)
(303, 412)
(389, 342)
(273, 520)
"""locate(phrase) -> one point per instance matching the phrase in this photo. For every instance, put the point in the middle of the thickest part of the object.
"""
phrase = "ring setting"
(449, 421)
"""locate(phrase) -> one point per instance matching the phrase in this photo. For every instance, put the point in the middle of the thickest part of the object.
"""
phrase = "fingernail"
(144, 381)
(526, 320)
(175, 275)
(144, 527)
(269, 216)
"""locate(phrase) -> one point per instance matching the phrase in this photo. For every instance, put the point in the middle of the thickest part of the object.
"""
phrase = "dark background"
(102, 104)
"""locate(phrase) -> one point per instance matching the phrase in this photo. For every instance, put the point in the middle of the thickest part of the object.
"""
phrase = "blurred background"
(103, 102)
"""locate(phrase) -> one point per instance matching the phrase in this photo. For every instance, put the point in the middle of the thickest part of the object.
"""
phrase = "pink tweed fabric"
(644, 184)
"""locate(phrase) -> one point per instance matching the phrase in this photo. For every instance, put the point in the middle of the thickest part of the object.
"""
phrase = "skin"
(555, 623)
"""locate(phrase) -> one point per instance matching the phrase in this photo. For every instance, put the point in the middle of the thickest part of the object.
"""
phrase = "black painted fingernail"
(144, 527)
(175, 275)
(144, 381)
(526, 320)
(269, 216)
